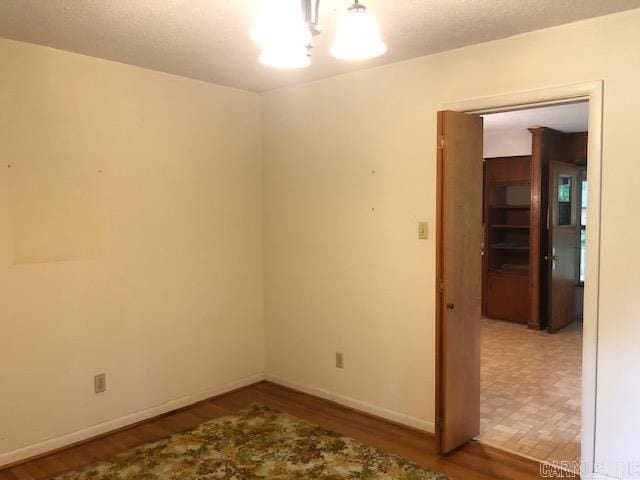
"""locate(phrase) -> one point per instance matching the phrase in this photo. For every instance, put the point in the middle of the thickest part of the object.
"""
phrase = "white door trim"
(591, 91)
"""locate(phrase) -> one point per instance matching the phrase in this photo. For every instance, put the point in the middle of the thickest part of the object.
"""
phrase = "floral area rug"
(258, 442)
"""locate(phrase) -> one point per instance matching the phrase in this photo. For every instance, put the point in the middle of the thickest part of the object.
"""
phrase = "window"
(564, 200)
(583, 227)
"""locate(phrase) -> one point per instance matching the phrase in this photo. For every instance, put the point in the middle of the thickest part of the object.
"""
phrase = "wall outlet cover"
(339, 360)
(100, 382)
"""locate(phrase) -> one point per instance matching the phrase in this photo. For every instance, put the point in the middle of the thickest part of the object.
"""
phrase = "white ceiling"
(567, 118)
(208, 39)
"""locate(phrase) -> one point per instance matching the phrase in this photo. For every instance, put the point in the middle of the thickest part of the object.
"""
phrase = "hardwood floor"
(474, 461)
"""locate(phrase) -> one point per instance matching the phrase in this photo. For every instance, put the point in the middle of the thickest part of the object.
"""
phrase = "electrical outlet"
(100, 382)
(339, 360)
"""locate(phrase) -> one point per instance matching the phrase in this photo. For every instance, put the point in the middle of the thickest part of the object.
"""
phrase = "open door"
(458, 282)
(562, 257)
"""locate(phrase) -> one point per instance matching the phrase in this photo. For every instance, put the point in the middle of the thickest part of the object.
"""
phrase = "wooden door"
(562, 253)
(459, 249)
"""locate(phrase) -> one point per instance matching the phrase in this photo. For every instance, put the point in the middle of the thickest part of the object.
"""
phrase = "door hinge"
(440, 141)
(441, 286)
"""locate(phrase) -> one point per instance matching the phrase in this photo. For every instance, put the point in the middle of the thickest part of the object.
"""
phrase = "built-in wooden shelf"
(510, 271)
(507, 234)
(518, 207)
(507, 247)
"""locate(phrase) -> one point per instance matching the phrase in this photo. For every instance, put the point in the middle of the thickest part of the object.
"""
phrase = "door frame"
(593, 93)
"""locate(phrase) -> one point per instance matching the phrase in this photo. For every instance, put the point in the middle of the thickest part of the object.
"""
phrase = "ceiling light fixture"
(283, 33)
(358, 37)
(285, 30)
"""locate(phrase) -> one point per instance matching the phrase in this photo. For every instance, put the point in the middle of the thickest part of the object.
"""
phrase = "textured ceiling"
(208, 39)
(567, 118)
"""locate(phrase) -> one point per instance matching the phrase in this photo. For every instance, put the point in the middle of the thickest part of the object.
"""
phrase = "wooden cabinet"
(517, 278)
(507, 297)
(507, 221)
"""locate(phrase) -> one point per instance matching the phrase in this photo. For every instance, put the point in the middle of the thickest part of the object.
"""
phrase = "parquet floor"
(531, 390)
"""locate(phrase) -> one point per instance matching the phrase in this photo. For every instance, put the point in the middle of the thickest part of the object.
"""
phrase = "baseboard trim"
(62, 442)
(52, 445)
(355, 404)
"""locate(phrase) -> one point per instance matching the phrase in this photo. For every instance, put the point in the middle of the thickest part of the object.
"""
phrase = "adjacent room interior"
(304, 239)
(532, 353)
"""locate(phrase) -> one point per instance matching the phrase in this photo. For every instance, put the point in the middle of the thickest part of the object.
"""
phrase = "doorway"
(534, 223)
(458, 329)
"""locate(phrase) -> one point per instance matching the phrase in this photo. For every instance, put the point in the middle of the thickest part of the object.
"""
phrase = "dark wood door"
(562, 255)
(459, 249)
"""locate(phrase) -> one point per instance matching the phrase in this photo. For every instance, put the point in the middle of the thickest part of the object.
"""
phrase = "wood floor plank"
(21, 473)
(474, 461)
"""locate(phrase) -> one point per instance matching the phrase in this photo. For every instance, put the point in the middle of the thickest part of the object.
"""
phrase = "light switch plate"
(423, 230)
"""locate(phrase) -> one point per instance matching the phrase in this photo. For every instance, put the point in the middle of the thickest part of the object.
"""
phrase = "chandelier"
(285, 30)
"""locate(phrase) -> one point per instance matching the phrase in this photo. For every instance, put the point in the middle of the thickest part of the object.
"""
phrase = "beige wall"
(344, 269)
(131, 232)
(130, 243)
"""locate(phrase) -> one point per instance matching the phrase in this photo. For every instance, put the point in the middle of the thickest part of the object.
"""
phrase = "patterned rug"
(258, 442)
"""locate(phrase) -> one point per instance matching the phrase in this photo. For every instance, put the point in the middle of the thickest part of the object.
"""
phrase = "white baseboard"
(61, 441)
(382, 412)
(69, 438)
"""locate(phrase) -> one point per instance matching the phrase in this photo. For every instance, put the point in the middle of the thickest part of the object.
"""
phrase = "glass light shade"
(283, 34)
(281, 55)
(258, 29)
(286, 47)
(358, 37)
